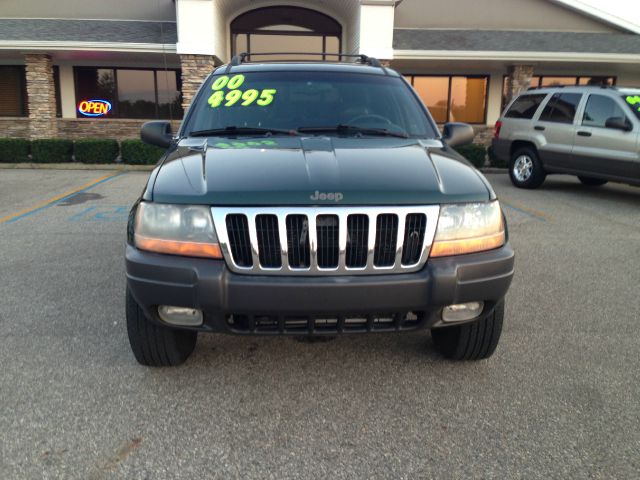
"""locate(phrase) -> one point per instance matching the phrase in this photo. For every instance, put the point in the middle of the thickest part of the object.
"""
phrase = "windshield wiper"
(234, 130)
(343, 128)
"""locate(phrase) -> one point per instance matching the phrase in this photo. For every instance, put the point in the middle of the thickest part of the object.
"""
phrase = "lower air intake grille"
(302, 325)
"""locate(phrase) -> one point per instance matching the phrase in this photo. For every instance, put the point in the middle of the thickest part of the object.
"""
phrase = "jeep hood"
(290, 170)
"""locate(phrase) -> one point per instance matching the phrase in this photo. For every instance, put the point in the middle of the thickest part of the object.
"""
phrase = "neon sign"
(94, 108)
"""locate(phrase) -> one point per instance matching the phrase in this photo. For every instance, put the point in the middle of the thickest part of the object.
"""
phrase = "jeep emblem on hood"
(336, 197)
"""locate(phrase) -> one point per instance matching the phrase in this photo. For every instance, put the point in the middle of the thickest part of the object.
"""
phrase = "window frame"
(116, 99)
(450, 77)
(56, 86)
(319, 31)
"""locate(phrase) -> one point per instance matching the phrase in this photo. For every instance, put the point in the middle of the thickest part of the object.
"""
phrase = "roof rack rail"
(614, 87)
(363, 59)
(551, 86)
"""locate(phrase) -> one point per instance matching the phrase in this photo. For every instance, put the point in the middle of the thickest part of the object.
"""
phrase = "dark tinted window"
(13, 96)
(561, 108)
(169, 101)
(295, 99)
(97, 84)
(136, 94)
(132, 93)
(600, 108)
(525, 106)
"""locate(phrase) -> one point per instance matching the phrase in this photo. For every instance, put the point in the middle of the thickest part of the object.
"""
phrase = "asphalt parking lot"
(559, 399)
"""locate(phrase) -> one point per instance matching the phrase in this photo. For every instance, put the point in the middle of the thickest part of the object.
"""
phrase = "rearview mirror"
(456, 134)
(157, 133)
(618, 123)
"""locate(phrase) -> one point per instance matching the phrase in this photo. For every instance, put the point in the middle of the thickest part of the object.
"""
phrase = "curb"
(76, 166)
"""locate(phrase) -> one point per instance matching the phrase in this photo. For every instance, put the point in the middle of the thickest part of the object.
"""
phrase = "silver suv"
(591, 132)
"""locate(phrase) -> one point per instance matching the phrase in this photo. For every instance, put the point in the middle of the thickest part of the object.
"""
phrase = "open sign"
(94, 108)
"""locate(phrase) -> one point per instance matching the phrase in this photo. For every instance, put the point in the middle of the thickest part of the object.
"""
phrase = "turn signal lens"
(173, 247)
(176, 229)
(469, 228)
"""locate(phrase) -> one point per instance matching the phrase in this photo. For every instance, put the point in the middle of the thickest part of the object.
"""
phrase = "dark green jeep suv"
(313, 199)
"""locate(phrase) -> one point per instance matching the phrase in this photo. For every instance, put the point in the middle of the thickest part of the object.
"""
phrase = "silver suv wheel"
(523, 168)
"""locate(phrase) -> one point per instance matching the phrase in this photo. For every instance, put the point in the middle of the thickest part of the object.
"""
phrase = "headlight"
(176, 229)
(468, 228)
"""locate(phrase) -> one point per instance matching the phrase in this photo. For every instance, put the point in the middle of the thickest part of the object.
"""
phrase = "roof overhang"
(516, 57)
(39, 46)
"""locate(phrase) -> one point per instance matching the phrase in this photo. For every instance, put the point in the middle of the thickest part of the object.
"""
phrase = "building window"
(133, 93)
(453, 98)
(286, 29)
(13, 92)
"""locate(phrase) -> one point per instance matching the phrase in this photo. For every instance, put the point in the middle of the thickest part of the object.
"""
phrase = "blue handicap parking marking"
(102, 213)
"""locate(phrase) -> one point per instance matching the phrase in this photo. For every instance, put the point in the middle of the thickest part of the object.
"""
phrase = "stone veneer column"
(41, 95)
(195, 69)
(518, 80)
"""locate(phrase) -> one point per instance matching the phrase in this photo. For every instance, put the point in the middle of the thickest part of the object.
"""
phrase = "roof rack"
(614, 87)
(363, 59)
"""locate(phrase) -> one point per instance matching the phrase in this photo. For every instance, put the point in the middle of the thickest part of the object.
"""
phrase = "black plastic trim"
(156, 279)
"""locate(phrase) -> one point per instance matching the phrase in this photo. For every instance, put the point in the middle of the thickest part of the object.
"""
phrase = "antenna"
(166, 69)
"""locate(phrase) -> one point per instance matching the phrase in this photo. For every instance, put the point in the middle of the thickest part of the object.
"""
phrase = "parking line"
(14, 217)
(529, 212)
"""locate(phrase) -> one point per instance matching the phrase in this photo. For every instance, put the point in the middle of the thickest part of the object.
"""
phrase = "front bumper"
(236, 303)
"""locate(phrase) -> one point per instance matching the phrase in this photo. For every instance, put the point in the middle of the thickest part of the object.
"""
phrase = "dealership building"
(146, 58)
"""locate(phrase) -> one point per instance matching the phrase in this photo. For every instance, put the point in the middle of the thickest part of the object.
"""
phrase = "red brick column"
(195, 68)
(41, 96)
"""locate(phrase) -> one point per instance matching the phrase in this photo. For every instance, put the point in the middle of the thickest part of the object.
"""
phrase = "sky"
(621, 8)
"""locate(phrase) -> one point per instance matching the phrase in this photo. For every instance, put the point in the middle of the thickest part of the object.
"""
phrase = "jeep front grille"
(325, 240)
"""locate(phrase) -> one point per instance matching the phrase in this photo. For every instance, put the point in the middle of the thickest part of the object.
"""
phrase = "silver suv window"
(599, 109)
(561, 108)
(525, 106)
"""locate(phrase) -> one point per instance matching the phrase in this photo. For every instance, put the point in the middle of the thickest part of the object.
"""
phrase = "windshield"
(318, 103)
(634, 102)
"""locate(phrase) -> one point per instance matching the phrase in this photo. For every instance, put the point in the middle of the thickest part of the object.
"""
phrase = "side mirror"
(456, 134)
(618, 123)
(157, 133)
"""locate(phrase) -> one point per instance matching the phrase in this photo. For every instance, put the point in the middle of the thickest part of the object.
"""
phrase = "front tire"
(525, 168)
(471, 341)
(155, 345)
(592, 182)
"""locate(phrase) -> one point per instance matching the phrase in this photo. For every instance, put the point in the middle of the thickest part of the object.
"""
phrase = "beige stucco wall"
(494, 15)
(629, 79)
(90, 9)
